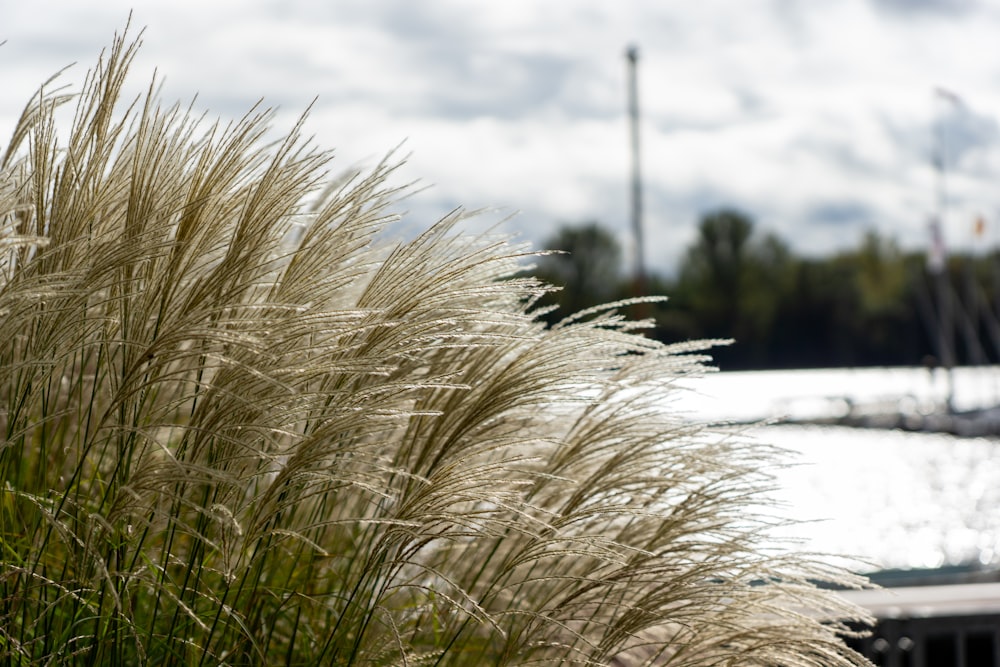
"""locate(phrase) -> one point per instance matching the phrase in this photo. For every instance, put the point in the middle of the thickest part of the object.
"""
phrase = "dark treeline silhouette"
(872, 305)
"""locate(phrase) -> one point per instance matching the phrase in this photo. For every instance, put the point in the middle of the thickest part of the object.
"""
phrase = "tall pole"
(632, 55)
(946, 305)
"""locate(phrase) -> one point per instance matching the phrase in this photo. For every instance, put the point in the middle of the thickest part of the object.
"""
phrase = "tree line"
(871, 305)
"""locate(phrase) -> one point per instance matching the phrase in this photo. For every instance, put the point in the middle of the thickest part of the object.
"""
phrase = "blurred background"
(817, 181)
(820, 122)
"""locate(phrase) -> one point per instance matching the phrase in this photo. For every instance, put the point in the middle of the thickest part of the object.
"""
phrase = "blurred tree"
(880, 275)
(868, 305)
(717, 256)
(587, 268)
(855, 308)
(732, 282)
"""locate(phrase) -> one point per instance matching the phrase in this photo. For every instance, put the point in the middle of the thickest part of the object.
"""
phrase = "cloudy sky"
(816, 118)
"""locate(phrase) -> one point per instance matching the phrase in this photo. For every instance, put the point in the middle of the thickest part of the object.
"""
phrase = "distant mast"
(632, 55)
(938, 257)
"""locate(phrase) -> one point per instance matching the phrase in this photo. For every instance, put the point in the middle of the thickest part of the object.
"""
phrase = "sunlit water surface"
(892, 498)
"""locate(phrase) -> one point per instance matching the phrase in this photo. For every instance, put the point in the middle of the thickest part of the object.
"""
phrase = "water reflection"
(896, 499)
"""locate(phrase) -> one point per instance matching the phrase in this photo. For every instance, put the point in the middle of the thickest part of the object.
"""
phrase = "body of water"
(894, 499)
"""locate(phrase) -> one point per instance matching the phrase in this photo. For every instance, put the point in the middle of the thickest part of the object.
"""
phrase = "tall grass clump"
(240, 427)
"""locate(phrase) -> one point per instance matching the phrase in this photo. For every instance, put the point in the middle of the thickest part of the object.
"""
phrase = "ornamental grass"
(241, 426)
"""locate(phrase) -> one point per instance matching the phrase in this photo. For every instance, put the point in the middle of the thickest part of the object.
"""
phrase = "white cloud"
(815, 118)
